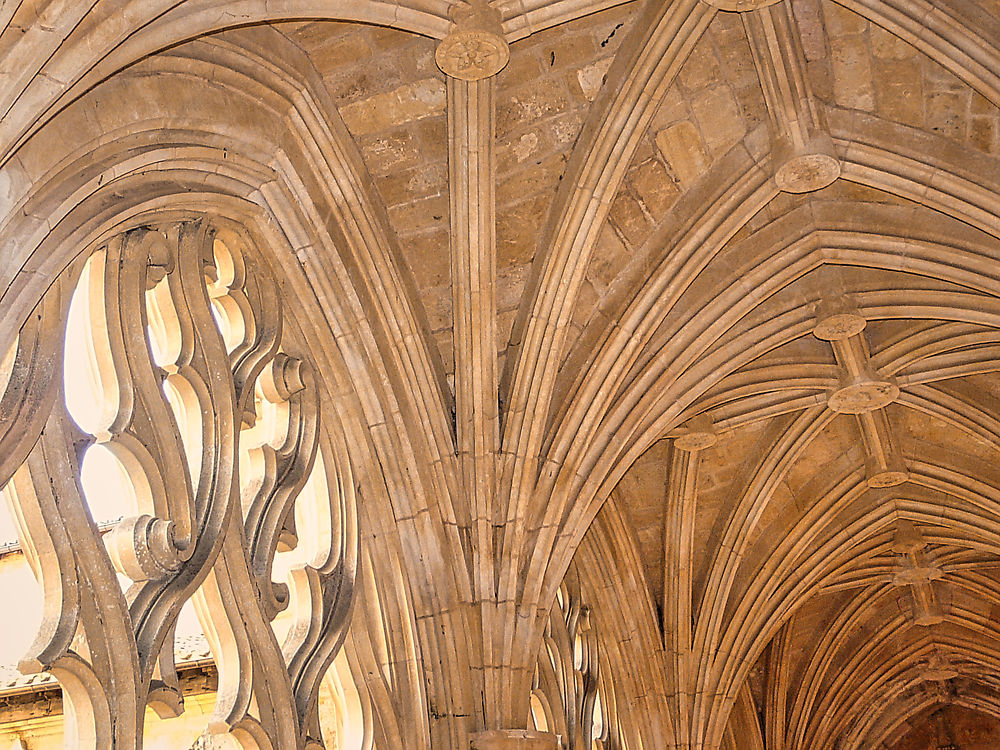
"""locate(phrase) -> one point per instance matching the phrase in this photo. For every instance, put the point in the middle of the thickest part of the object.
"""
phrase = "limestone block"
(517, 230)
(654, 187)
(899, 91)
(565, 128)
(719, 119)
(628, 218)
(673, 108)
(509, 285)
(430, 253)
(889, 46)
(568, 50)
(946, 113)
(736, 61)
(701, 68)
(821, 77)
(536, 178)
(403, 186)
(610, 255)
(840, 21)
(518, 150)
(438, 307)
(980, 105)
(426, 213)
(331, 56)
(751, 104)
(525, 106)
(523, 66)
(392, 151)
(983, 132)
(852, 73)
(413, 101)
(809, 19)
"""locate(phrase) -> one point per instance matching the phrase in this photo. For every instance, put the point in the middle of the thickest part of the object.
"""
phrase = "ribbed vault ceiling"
(742, 323)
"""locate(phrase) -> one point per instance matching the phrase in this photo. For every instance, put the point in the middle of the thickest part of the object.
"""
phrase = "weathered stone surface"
(853, 86)
(963, 727)
(611, 257)
(530, 104)
(702, 68)
(405, 104)
(518, 229)
(899, 90)
(591, 78)
(718, 118)
(628, 219)
(682, 148)
(653, 186)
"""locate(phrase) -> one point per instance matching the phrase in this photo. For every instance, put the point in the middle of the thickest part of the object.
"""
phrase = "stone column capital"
(475, 47)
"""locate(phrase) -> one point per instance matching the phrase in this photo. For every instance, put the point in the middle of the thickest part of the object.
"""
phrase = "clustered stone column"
(917, 573)
(804, 157)
(696, 435)
(471, 55)
(862, 392)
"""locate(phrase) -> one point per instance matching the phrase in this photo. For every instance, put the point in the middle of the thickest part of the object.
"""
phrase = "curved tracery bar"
(567, 692)
(187, 453)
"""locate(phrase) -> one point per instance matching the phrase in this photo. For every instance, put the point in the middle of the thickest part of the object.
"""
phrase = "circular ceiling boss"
(864, 396)
(805, 173)
(472, 54)
(839, 326)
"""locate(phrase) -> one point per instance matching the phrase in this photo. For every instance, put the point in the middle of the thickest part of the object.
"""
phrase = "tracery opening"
(186, 455)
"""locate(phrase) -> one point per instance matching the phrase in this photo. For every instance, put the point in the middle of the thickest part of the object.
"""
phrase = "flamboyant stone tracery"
(515, 374)
(196, 445)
